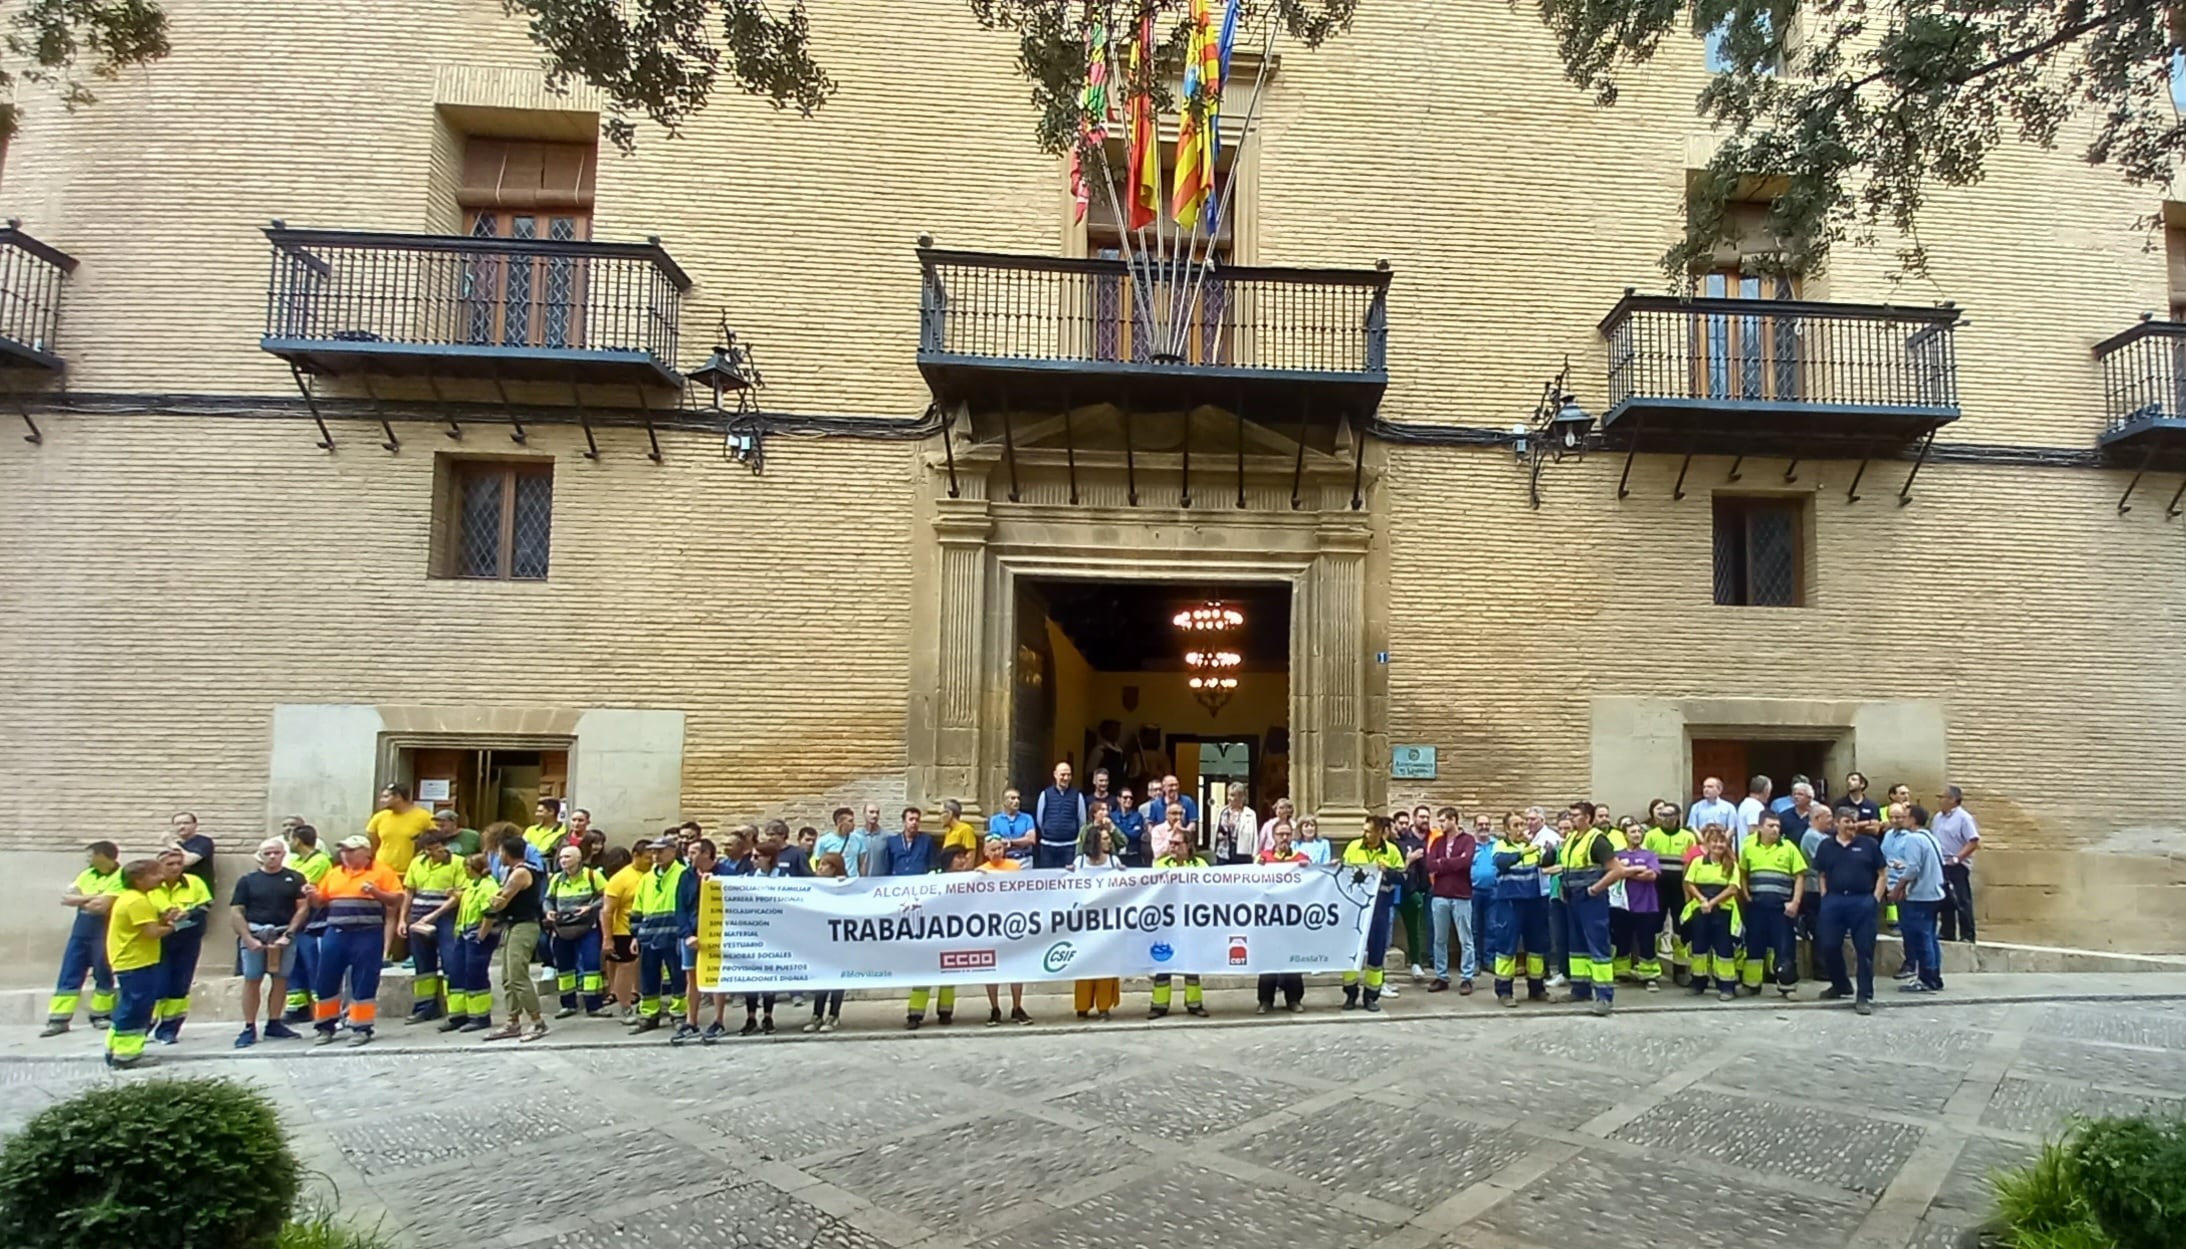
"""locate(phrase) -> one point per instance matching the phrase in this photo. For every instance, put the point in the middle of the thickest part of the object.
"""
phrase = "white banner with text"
(784, 933)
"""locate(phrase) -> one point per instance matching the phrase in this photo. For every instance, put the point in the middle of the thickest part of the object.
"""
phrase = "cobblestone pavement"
(1681, 1129)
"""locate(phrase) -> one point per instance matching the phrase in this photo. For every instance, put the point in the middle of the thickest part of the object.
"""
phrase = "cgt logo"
(966, 960)
(1058, 956)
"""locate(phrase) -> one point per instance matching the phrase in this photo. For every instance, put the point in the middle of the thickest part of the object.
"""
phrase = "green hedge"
(2117, 1183)
(153, 1164)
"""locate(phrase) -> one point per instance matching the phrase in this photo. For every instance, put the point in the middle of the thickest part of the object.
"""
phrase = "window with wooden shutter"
(1760, 551)
(1132, 324)
(515, 189)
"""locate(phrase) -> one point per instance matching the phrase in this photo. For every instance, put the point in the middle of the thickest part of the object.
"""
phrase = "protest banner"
(787, 933)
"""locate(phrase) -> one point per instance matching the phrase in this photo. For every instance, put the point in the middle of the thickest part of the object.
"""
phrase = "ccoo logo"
(1058, 956)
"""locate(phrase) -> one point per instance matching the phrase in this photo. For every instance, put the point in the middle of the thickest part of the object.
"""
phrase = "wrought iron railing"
(31, 274)
(466, 293)
(2144, 374)
(1101, 311)
(1862, 357)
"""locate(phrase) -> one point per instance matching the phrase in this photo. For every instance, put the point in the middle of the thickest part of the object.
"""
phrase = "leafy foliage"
(155, 1164)
(1851, 111)
(2131, 1173)
(56, 43)
(319, 1227)
(2040, 1206)
(661, 58)
(1051, 43)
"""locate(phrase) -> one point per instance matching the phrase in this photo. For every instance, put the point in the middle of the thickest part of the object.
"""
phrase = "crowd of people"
(1715, 898)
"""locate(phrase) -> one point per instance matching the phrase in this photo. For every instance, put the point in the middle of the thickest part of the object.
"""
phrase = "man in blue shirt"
(1058, 814)
(1851, 870)
(1915, 882)
(1014, 826)
(1157, 810)
(912, 854)
(1712, 809)
(846, 841)
(1131, 822)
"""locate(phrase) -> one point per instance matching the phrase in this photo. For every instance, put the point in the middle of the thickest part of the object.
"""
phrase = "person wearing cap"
(363, 900)
(305, 855)
(462, 842)
(434, 882)
(268, 911)
(653, 924)
(1959, 838)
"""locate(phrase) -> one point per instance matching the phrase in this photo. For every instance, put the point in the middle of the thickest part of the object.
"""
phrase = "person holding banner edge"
(1097, 857)
(1374, 849)
(998, 860)
(958, 859)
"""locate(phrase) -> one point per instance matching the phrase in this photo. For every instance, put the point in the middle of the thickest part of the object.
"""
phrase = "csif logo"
(1161, 952)
(1058, 957)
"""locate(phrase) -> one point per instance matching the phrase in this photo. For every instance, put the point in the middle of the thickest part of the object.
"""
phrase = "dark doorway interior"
(1737, 761)
(1101, 682)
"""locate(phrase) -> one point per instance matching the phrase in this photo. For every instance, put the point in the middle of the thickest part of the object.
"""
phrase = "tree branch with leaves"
(65, 45)
(1850, 113)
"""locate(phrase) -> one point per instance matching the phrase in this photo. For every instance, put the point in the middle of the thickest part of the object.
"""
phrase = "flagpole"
(1197, 280)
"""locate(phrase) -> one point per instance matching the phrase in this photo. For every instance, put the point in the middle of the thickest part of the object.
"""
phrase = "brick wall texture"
(166, 579)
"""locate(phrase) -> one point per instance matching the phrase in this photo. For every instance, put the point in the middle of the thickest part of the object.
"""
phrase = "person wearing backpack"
(576, 894)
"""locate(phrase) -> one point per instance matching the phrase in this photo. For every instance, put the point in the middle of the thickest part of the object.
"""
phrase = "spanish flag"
(1202, 111)
(1145, 173)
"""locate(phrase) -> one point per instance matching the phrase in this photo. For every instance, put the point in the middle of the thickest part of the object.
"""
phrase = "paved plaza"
(1699, 1128)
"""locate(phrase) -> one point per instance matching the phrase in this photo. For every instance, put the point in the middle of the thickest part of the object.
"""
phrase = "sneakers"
(100, 1023)
(359, 1037)
(278, 1031)
(246, 1038)
(1863, 1007)
(751, 1026)
(1157, 1012)
(481, 1024)
(1505, 999)
(599, 1014)
(994, 1017)
(1374, 1004)
(567, 1012)
(1464, 988)
(1389, 990)
(684, 1034)
(1727, 995)
(1831, 994)
(715, 1031)
(1906, 972)
(1654, 986)
(1018, 1015)
(1262, 1009)
(911, 1022)
(1198, 1011)
(766, 1025)
(1914, 986)
(1556, 982)
(1600, 1007)
(827, 1025)
(1417, 974)
(1297, 1008)
(1102, 1016)
(814, 1026)
(1085, 1014)
(645, 1023)
(325, 1037)
(54, 1027)
(1350, 1003)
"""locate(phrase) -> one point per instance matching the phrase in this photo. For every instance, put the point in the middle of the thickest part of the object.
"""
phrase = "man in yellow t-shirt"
(622, 956)
(395, 828)
(133, 931)
(957, 833)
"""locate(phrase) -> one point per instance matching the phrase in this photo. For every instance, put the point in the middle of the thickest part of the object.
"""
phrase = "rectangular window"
(496, 519)
(1760, 551)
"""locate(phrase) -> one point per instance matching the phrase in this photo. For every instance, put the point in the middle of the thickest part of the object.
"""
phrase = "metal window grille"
(504, 521)
(1757, 552)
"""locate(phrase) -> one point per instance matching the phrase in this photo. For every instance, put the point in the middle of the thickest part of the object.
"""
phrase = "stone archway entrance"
(1072, 517)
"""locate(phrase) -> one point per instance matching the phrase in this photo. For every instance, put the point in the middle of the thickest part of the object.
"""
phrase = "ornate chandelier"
(1213, 669)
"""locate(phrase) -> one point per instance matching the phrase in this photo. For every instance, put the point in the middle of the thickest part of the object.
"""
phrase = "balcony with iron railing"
(1000, 330)
(350, 302)
(31, 276)
(1741, 376)
(2144, 390)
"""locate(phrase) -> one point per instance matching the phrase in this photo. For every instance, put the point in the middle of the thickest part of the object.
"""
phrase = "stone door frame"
(973, 548)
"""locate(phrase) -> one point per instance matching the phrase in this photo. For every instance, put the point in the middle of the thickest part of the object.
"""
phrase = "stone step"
(220, 997)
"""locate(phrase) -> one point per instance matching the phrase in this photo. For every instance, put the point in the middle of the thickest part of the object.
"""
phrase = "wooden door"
(514, 302)
(1724, 760)
(1745, 357)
